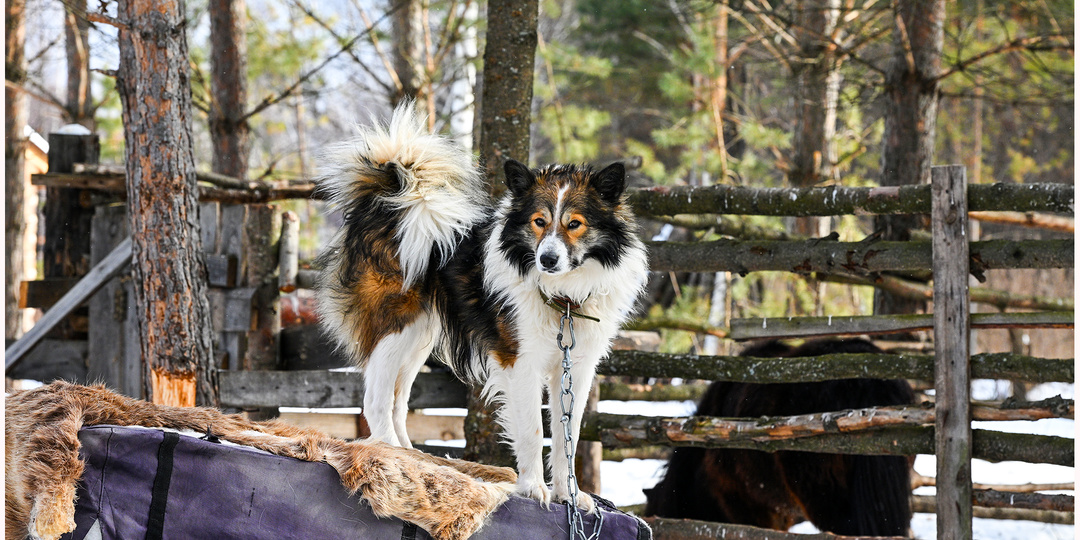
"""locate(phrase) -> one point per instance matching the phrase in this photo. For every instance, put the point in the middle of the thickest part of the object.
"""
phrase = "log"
(705, 430)
(625, 431)
(289, 252)
(926, 504)
(671, 201)
(826, 367)
(791, 327)
(1027, 219)
(919, 480)
(690, 529)
(990, 498)
(859, 258)
(839, 200)
(921, 291)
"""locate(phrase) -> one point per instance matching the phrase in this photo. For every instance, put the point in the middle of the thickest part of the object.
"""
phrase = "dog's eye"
(573, 225)
(539, 222)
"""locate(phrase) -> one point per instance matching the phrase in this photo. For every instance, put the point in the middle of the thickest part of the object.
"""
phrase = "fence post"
(951, 347)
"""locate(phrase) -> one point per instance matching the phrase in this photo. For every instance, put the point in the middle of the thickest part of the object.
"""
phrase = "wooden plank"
(422, 427)
(94, 280)
(43, 293)
(115, 357)
(221, 270)
(308, 347)
(952, 338)
(327, 389)
(53, 359)
(790, 327)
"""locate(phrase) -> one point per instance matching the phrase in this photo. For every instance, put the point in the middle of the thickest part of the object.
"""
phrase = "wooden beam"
(327, 389)
(952, 338)
(829, 366)
(94, 280)
(628, 431)
(857, 258)
(790, 327)
(44, 293)
(670, 201)
(682, 529)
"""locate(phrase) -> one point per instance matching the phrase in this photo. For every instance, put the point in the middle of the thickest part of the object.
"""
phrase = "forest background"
(743, 92)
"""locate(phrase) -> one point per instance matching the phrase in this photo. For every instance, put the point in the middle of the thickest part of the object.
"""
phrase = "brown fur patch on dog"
(42, 466)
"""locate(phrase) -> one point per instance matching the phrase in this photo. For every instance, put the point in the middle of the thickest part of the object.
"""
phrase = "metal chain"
(573, 514)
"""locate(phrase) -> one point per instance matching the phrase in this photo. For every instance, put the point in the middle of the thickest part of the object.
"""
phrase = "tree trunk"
(910, 113)
(408, 24)
(168, 266)
(79, 108)
(228, 84)
(817, 89)
(509, 56)
(15, 113)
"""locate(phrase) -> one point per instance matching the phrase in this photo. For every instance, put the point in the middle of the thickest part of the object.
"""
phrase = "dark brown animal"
(42, 465)
(843, 494)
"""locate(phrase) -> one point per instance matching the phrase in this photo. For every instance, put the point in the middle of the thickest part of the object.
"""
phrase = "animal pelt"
(842, 494)
(450, 499)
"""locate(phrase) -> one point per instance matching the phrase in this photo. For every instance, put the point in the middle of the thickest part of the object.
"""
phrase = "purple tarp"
(219, 491)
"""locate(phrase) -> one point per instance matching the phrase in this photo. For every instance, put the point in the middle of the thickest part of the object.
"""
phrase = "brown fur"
(42, 465)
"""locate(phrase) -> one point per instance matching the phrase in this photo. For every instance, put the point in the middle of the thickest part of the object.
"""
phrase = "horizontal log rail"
(918, 480)
(828, 367)
(921, 291)
(927, 505)
(839, 200)
(858, 258)
(667, 201)
(791, 327)
(625, 431)
(708, 430)
(683, 529)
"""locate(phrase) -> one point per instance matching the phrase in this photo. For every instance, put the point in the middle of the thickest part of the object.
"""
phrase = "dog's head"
(561, 216)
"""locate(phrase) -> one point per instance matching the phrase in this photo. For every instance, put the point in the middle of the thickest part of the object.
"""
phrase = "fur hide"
(450, 499)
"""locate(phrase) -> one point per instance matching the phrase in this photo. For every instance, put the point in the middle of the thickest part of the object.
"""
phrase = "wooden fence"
(241, 233)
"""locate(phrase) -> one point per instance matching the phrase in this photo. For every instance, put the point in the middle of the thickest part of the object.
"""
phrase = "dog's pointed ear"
(518, 177)
(610, 182)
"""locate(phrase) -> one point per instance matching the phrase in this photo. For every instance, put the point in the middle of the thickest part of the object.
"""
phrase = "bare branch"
(106, 19)
(1057, 42)
(273, 100)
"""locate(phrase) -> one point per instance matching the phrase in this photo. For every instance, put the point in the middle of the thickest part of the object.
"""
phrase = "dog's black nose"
(548, 261)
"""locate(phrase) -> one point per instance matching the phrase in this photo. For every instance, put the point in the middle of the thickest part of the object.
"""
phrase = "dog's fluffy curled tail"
(400, 180)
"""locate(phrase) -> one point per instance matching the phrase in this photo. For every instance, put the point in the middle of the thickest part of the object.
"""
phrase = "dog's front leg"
(520, 392)
(583, 373)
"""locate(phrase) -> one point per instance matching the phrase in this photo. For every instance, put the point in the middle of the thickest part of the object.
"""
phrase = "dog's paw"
(585, 501)
(534, 490)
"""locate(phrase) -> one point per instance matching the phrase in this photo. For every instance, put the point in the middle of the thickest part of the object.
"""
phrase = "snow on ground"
(623, 482)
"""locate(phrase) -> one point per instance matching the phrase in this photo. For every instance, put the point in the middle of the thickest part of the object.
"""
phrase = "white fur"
(389, 374)
(605, 293)
(443, 193)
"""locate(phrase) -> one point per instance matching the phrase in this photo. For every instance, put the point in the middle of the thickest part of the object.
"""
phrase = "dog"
(843, 494)
(449, 498)
(425, 262)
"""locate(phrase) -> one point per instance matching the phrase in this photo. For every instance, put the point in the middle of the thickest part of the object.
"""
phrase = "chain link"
(566, 402)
